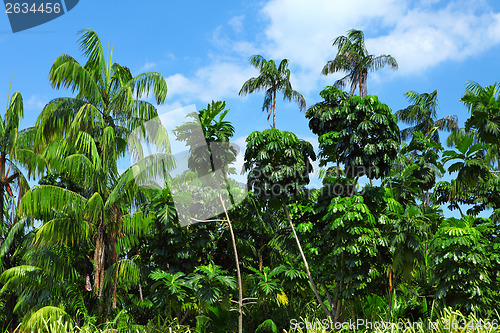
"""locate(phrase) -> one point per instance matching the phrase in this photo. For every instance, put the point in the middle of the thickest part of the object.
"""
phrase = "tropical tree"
(483, 104)
(107, 95)
(14, 153)
(81, 139)
(211, 158)
(359, 132)
(464, 258)
(272, 79)
(351, 238)
(278, 165)
(353, 57)
(103, 209)
(421, 113)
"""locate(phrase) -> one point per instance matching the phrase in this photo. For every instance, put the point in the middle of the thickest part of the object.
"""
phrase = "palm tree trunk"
(2, 188)
(274, 109)
(238, 272)
(99, 261)
(114, 256)
(313, 285)
(361, 84)
(365, 86)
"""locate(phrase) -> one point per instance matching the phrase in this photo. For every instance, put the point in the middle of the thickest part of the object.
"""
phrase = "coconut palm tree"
(106, 95)
(422, 115)
(207, 159)
(13, 155)
(272, 79)
(483, 104)
(102, 210)
(81, 138)
(353, 57)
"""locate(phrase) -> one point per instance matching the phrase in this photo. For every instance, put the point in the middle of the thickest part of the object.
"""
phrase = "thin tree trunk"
(313, 286)
(338, 301)
(361, 84)
(114, 256)
(238, 272)
(2, 188)
(140, 292)
(391, 287)
(99, 260)
(335, 301)
(328, 296)
(365, 84)
(274, 109)
(354, 187)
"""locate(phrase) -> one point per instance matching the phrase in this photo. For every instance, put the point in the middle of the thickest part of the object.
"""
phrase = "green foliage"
(463, 263)
(211, 284)
(484, 105)
(272, 80)
(350, 242)
(89, 250)
(422, 115)
(267, 326)
(360, 133)
(278, 163)
(353, 57)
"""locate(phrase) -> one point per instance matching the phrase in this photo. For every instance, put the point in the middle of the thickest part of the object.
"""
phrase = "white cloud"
(217, 81)
(240, 160)
(147, 66)
(418, 34)
(35, 102)
(425, 38)
(236, 23)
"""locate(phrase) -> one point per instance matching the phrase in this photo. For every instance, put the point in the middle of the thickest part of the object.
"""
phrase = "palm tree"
(81, 138)
(13, 144)
(217, 155)
(106, 95)
(483, 104)
(103, 209)
(422, 115)
(352, 57)
(272, 80)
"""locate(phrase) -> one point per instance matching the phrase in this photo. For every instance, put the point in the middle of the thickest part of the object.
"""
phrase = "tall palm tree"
(353, 57)
(422, 115)
(102, 210)
(217, 155)
(106, 95)
(484, 106)
(272, 79)
(82, 137)
(12, 152)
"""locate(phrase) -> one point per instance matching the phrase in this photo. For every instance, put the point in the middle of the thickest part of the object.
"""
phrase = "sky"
(202, 49)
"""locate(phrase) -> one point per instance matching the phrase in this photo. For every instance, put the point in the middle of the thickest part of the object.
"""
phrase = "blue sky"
(202, 49)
